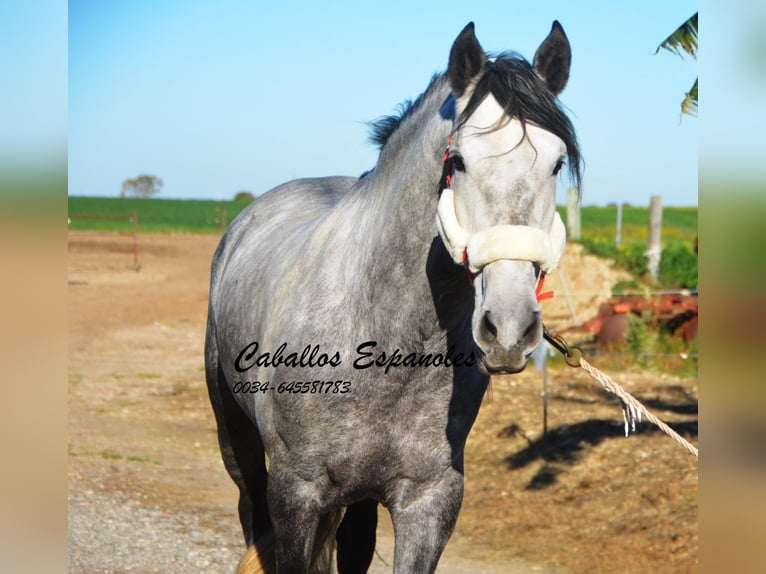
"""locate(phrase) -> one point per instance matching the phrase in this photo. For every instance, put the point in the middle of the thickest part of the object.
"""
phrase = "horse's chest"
(371, 463)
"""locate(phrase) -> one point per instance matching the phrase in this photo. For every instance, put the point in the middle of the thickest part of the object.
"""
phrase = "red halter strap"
(539, 293)
(448, 168)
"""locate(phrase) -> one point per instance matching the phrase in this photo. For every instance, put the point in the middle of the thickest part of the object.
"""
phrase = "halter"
(501, 242)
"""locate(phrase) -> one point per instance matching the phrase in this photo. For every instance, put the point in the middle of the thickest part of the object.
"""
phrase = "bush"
(600, 247)
(626, 286)
(244, 196)
(632, 257)
(640, 338)
(678, 266)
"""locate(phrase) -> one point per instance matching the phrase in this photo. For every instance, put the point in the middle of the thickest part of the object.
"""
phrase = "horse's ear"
(553, 58)
(466, 61)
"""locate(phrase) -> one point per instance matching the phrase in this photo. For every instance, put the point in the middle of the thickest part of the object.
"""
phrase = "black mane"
(383, 128)
(518, 89)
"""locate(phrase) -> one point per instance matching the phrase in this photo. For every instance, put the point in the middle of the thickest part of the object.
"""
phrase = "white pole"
(573, 213)
(654, 248)
(618, 239)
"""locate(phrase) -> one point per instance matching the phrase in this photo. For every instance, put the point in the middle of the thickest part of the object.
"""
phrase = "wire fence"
(131, 230)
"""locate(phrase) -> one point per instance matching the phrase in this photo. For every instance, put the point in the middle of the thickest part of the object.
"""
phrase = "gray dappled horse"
(354, 323)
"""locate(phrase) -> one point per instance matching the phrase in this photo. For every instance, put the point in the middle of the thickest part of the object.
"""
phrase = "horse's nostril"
(532, 326)
(489, 326)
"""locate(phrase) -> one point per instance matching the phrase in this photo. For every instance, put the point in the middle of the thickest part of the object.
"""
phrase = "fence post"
(573, 213)
(135, 241)
(618, 237)
(654, 249)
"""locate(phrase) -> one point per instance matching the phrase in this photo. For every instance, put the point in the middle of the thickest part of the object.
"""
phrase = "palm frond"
(690, 105)
(684, 39)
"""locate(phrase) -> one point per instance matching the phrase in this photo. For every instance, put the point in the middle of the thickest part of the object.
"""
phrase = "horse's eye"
(559, 165)
(457, 163)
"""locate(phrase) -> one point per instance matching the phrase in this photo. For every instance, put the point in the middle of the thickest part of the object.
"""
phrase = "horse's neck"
(402, 193)
(397, 231)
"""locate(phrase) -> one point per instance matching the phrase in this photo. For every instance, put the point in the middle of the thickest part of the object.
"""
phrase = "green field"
(155, 215)
(210, 216)
(678, 223)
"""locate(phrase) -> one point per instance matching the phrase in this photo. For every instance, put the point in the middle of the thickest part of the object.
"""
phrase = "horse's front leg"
(424, 515)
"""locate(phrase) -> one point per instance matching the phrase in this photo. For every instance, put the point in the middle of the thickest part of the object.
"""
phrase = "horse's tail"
(244, 457)
(260, 557)
(323, 557)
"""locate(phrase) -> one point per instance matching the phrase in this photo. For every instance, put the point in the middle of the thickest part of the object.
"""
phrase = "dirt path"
(148, 492)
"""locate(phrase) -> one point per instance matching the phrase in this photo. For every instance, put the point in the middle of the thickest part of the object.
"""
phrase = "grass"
(108, 454)
(155, 215)
(210, 216)
(678, 223)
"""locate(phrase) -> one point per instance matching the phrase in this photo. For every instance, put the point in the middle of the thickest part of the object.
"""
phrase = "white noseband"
(514, 242)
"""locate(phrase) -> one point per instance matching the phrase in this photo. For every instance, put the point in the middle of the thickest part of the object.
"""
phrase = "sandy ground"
(148, 492)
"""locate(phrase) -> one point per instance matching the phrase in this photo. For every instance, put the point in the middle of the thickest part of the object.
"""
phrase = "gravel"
(115, 533)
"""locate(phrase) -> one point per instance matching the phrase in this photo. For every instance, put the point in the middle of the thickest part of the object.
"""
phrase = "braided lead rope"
(632, 409)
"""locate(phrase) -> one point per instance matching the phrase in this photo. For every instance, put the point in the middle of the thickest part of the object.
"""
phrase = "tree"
(244, 196)
(141, 186)
(685, 39)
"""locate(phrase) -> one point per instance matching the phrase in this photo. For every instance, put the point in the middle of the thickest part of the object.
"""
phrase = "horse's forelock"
(516, 87)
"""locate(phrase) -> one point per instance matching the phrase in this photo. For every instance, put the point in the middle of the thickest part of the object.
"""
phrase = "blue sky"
(33, 96)
(220, 97)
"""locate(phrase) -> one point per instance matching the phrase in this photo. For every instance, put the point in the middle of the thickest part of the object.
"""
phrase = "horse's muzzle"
(489, 369)
(505, 350)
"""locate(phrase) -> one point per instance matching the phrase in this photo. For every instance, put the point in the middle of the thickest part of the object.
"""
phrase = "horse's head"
(509, 141)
